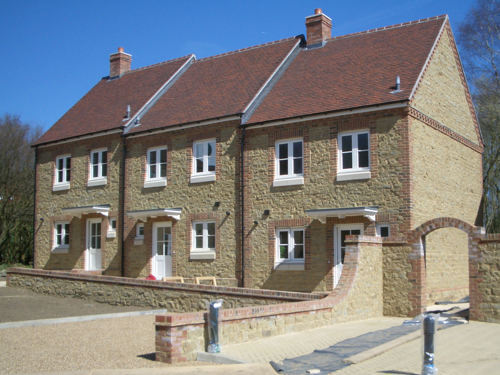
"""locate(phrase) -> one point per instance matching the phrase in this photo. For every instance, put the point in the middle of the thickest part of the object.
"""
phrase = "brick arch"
(442, 222)
(418, 295)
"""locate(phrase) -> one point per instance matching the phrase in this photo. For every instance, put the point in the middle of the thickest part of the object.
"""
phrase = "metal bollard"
(429, 327)
(213, 327)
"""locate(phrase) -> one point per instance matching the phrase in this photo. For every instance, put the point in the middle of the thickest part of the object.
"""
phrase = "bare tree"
(16, 189)
(479, 39)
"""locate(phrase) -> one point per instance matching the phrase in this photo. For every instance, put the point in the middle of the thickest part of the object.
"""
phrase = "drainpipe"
(242, 210)
(123, 203)
(34, 207)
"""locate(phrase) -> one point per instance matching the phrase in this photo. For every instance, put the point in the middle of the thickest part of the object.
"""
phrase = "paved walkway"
(467, 349)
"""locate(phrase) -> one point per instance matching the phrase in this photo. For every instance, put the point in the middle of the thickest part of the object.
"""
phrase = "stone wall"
(447, 265)
(50, 203)
(358, 296)
(196, 199)
(441, 94)
(397, 284)
(321, 190)
(175, 297)
(485, 281)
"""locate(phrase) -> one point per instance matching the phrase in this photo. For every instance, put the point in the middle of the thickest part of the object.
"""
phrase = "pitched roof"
(355, 70)
(105, 106)
(217, 86)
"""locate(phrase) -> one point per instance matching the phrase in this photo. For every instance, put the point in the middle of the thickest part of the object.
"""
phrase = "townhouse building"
(255, 165)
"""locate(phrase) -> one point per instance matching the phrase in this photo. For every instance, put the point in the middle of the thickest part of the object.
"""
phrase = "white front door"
(93, 258)
(162, 252)
(340, 232)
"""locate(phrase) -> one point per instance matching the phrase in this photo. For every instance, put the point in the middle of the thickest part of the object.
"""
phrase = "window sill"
(289, 266)
(97, 182)
(61, 186)
(155, 183)
(348, 176)
(288, 181)
(111, 234)
(203, 178)
(139, 241)
(60, 250)
(202, 255)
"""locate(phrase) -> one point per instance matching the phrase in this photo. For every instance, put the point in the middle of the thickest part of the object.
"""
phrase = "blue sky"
(52, 52)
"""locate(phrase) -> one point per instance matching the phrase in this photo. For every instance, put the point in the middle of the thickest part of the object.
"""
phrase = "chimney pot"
(119, 63)
(319, 27)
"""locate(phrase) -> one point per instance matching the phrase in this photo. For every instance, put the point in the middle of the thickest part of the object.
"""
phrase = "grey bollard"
(429, 327)
(213, 327)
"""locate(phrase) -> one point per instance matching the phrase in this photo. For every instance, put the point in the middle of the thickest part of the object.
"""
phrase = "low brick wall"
(357, 296)
(175, 297)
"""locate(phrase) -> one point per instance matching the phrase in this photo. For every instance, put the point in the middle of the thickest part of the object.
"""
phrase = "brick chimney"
(319, 28)
(119, 63)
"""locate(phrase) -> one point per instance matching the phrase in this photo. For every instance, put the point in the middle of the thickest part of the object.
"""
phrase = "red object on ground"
(151, 277)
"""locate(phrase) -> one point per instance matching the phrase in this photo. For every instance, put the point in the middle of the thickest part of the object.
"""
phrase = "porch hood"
(369, 212)
(174, 213)
(85, 210)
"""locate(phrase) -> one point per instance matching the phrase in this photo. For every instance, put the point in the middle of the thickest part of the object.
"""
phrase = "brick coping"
(210, 289)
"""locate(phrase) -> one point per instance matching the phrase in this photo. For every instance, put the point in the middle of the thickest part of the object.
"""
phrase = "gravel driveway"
(117, 343)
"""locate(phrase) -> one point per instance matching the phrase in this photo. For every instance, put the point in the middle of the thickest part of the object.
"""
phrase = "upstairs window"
(156, 175)
(63, 173)
(289, 163)
(203, 161)
(98, 168)
(354, 155)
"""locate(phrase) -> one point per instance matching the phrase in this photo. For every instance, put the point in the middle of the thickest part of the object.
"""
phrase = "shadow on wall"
(73, 259)
(296, 281)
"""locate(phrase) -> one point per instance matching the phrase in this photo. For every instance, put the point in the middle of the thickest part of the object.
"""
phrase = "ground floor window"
(290, 247)
(61, 236)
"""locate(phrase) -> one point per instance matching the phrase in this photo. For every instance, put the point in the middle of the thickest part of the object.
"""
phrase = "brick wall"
(358, 296)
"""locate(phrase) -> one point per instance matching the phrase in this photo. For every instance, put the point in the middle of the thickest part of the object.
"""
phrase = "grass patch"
(4, 266)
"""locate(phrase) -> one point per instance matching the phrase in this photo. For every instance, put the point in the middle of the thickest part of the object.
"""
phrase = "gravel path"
(120, 343)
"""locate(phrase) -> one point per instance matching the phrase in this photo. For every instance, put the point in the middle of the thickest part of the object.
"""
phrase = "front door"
(93, 258)
(341, 231)
(162, 253)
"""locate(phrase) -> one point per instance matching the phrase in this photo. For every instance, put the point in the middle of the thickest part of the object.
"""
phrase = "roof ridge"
(247, 48)
(158, 64)
(390, 27)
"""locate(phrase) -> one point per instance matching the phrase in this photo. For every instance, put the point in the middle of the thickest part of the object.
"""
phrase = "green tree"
(479, 39)
(16, 189)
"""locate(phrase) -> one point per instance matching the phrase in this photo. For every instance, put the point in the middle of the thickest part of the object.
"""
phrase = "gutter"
(242, 209)
(34, 206)
(123, 203)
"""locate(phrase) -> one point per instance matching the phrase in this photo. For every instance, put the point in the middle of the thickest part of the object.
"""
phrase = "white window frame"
(100, 179)
(66, 173)
(61, 248)
(290, 178)
(205, 175)
(156, 181)
(354, 173)
(205, 252)
(111, 231)
(139, 238)
(379, 226)
(292, 263)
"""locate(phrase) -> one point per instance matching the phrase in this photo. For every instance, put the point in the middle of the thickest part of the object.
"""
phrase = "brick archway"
(418, 294)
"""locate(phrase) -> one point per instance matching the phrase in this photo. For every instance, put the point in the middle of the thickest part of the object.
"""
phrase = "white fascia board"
(272, 75)
(79, 211)
(428, 59)
(329, 115)
(158, 93)
(188, 126)
(341, 213)
(79, 138)
(174, 213)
